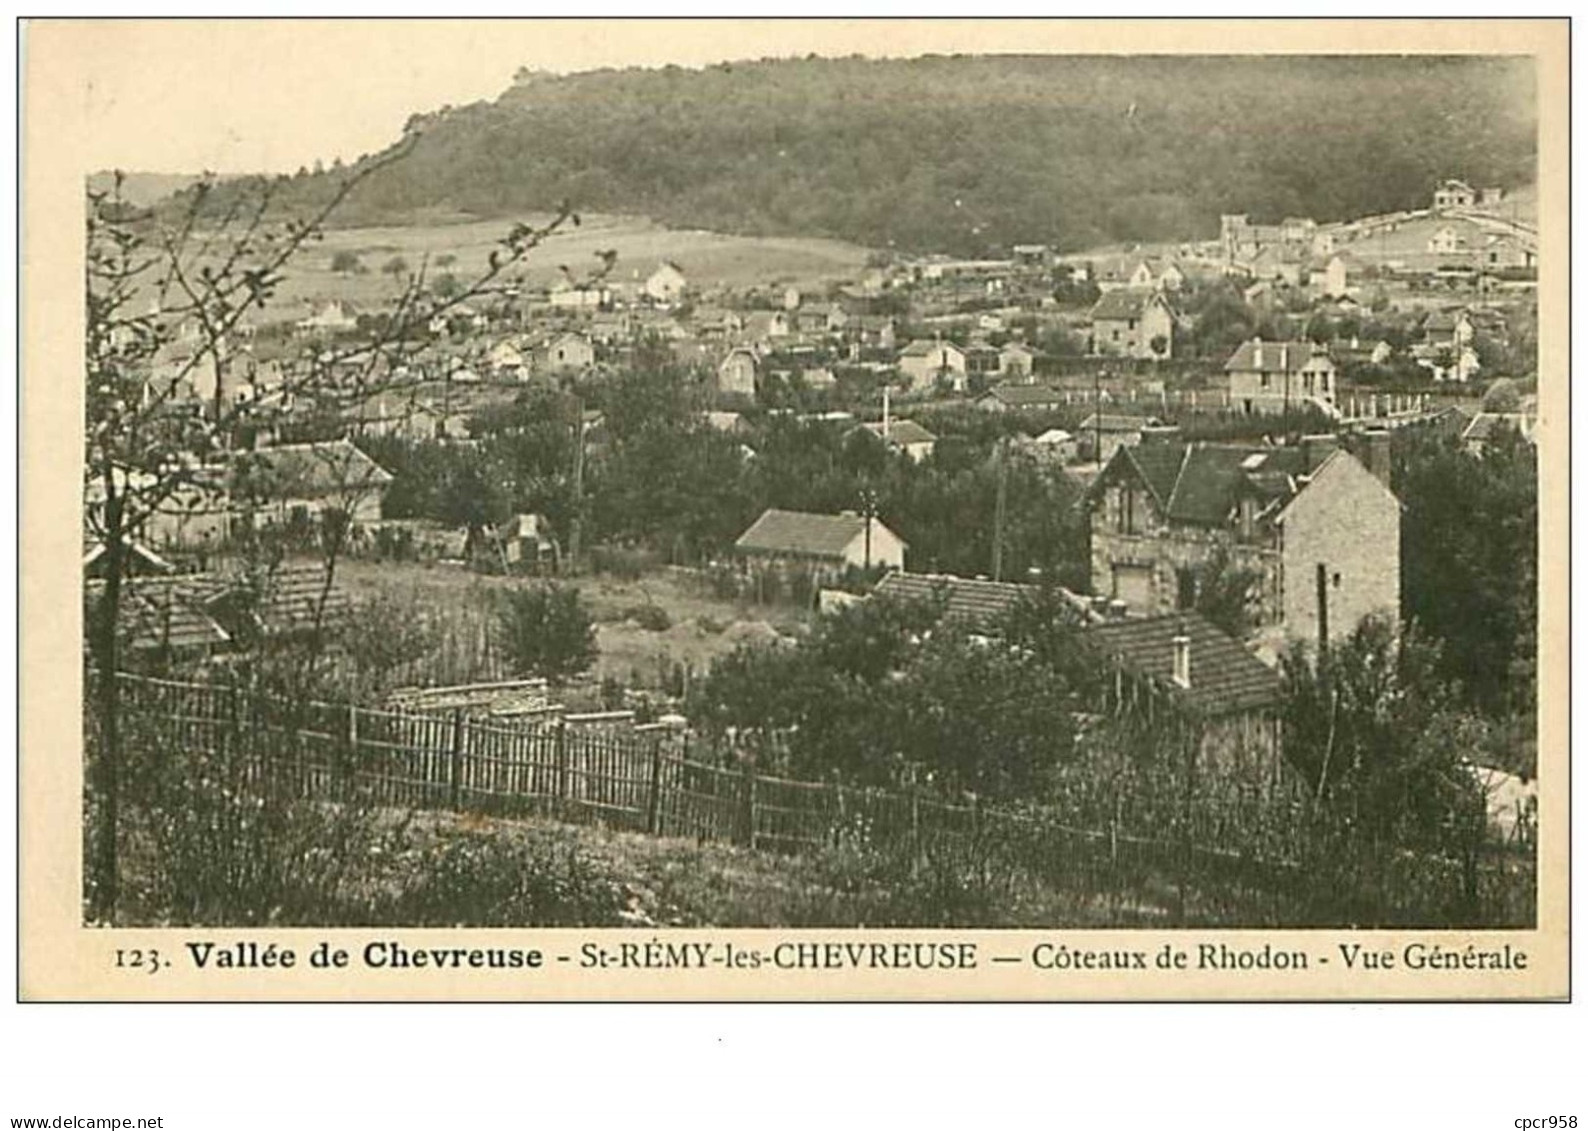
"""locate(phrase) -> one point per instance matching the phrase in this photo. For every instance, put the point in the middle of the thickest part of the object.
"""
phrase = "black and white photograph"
(855, 490)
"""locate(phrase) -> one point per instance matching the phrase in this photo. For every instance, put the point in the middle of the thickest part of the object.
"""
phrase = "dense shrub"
(546, 630)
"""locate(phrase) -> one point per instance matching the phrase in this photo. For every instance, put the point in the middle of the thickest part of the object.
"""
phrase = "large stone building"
(1165, 516)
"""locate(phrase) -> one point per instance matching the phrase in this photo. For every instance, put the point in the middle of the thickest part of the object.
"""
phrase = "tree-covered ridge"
(970, 153)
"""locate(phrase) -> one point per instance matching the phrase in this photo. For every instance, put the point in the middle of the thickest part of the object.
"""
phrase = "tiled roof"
(1019, 395)
(287, 601)
(1201, 483)
(902, 432)
(1487, 425)
(972, 602)
(162, 612)
(1126, 303)
(310, 470)
(1277, 357)
(1116, 422)
(800, 534)
(1159, 465)
(1225, 677)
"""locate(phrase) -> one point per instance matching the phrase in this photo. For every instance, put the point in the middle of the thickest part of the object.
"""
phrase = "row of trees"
(964, 153)
(657, 474)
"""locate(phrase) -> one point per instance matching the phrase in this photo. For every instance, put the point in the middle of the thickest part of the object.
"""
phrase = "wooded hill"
(968, 153)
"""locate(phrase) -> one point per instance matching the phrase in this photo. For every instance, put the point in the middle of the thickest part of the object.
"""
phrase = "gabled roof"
(972, 602)
(309, 470)
(1128, 302)
(1021, 395)
(1201, 483)
(922, 347)
(161, 612)
(1277, 357)
(1225, 677)
(1443, 321)
(1487, 425)
(902, 432)
(1116, 422)
(801, 534)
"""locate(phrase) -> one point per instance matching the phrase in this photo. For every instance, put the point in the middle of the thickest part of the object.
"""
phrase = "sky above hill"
(256, 96)
(271, 96)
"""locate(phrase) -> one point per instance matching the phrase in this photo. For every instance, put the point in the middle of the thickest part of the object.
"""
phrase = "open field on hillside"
(707, 259)
(700, 627)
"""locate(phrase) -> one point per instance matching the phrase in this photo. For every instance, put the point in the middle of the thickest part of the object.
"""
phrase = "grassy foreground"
(390, 868)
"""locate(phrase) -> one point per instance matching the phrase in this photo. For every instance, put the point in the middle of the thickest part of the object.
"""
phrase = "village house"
(1279, 377)
(1487, 428)
(982, 360)
(1232, 697)
(923, 362)
(828, 544)
(1103, 433)
(506, 362)
(1333, 280)
(300, 483)
(1132, 323)
(736, 374)
(1122, 273)
(1054, 446)
(333, 317)
(667, 284)
(569, 352)
(904, 436)
(766, 325)
(1449, 329)
(566, 294)
(1020, 398)
(1447, 240)
(1017, 361)
(1316, 530)
(1454, 194)
(1507, 252)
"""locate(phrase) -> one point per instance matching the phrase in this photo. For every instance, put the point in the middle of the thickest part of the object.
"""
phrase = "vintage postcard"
(800, 510)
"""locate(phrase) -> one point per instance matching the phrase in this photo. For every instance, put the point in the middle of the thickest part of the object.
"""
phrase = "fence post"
(349, 751)
(915, 826)
(747, 793)
(653, 813)
(560, 752)
(455, 763)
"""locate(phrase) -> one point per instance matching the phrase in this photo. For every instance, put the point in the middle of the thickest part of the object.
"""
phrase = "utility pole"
(868, 511)
(1097, 417)
(574, 527)
(998, 511)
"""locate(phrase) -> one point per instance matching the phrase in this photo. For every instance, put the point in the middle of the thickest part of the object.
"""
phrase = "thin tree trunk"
(106, 772)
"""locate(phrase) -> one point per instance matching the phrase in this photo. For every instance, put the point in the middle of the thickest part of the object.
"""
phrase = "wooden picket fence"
(641, 779)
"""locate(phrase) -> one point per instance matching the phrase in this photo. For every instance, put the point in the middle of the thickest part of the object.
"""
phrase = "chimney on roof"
(1257, 353)
(1284, 356)
(1376, 446)
(1182, 657)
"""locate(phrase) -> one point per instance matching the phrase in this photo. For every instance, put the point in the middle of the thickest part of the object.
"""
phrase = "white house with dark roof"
(923, 362)
(828, 542)
(667, 283)
(904, 436)
(1277, 377)
(1132, 323)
